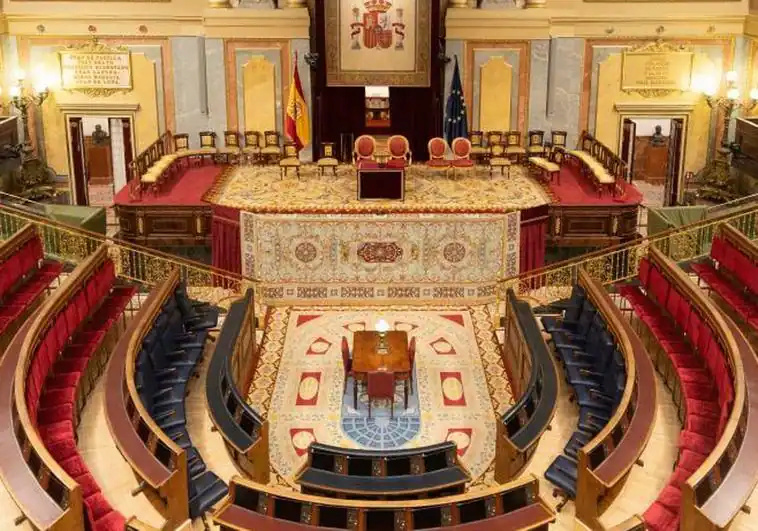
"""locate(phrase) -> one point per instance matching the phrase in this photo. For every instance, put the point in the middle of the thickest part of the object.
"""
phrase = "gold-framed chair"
(558, 139)
(208, 149)
(494, 137)
(536, 143)
(271, 152)
(461, 148)
(327, 159)
(437, 148)
(364, 152)
(499, 160)
(232, 149)
(289, 160)
(513, 148)
(478, 151)
(399, 150)
(252, 149)
(181, 142)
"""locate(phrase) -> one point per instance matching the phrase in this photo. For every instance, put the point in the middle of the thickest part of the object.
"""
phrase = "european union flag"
(456, 122)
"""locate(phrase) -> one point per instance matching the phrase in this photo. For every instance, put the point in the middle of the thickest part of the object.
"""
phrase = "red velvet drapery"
(533, 239)
(225, 244)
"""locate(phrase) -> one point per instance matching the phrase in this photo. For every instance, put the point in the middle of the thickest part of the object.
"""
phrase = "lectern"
(381, 183)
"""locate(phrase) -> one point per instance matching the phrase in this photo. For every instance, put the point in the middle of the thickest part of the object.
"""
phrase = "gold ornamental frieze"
(96, 69)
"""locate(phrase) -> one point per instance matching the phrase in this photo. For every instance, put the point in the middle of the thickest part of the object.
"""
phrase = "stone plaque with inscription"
(96, 68)
(657, 71)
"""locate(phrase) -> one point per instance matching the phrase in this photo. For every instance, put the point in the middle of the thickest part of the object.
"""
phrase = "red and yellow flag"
(297, 125)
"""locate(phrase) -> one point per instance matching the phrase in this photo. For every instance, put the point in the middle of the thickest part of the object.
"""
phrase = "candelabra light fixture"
(35, 178)
(714, 180)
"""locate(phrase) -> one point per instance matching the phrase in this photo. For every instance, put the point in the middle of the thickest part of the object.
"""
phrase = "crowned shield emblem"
(377, 25)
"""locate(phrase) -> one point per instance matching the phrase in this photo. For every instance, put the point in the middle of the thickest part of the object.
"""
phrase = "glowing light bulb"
(40, 87)
(733, 93)
(731, 76)
(382, 326)
(20, 75)
(15, 91)
(754, 94)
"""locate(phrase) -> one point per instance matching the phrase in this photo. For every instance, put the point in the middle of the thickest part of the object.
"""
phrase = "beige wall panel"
(258, 82)
(495, 78)
(144, 94)
(609, 95)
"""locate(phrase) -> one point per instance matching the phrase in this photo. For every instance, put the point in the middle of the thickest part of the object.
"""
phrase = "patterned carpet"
(260, 189)
(460, 385)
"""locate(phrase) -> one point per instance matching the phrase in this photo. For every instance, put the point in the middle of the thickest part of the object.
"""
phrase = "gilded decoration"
(656, 69)
(96, 69)
(378, 42)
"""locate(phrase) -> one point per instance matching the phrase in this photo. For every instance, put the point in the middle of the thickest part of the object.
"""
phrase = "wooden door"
(627, 146)
(78, 163)
(676, 142)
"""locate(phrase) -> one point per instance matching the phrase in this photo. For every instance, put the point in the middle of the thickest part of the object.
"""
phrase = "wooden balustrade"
(534, 378)
(235, 357)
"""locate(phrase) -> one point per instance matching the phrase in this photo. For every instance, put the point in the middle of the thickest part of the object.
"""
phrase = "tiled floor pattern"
(299, 382)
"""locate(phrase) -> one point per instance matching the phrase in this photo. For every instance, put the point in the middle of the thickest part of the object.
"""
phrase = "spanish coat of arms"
(377, 26)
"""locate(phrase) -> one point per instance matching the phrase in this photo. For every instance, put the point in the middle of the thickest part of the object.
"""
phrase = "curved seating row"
(596, 371)
(24, 278)
(696, 355)
(603, 461)
(233, 363)
(731, 271)
(47, 495)
(165, 363)
(514, 506)
(426, 472)
(534, 378)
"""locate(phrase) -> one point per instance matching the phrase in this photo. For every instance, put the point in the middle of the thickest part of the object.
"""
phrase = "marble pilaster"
(565, 91)
(216, 85)
(538, 86)
(190, 96)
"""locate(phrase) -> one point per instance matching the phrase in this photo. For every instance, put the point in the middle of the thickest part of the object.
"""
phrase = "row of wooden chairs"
(257, 148)
(483, 144)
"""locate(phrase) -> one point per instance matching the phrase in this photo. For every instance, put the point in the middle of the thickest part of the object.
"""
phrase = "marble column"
(219, 3)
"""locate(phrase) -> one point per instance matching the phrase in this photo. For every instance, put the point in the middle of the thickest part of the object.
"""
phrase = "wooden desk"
(367, 359)
(381, 182)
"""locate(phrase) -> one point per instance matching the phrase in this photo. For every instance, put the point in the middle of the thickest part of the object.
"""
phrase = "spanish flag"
(297, 126)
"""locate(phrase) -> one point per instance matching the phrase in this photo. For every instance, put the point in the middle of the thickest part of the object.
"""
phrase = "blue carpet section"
(380, 431)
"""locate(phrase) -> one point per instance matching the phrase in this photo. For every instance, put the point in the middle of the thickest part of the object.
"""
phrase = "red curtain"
(225, 245)
(533, 239)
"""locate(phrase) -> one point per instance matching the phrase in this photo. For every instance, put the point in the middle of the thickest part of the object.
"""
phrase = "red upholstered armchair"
(437, 149)
(363, 152)
(400, 152)
(461, 153)
(381, 384)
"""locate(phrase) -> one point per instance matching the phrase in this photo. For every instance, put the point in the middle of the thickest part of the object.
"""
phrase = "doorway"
(653, 149)
(100, 150)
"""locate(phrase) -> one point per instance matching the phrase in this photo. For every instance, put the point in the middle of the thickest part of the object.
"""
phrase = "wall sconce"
(731, 100)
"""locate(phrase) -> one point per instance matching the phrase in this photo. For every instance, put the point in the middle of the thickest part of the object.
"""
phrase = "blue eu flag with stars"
(456, 123)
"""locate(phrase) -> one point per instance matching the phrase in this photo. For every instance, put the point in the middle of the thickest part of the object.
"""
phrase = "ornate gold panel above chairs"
(230, 153)
(290, 160)
(252, 149)
(536, 142)
(271, 152)
(498, 159)
(327, 159)
(513, 148)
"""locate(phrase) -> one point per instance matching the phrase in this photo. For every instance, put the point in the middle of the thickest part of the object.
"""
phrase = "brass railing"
(615, 264)
(139, 264)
